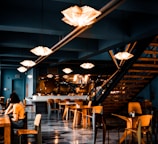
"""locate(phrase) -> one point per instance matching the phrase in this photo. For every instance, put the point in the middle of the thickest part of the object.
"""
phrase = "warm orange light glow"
(80, 16)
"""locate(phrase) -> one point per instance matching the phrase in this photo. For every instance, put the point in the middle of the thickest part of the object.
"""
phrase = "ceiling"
(30, 23)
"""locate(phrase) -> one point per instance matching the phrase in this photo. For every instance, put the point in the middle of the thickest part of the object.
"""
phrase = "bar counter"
(40, 102)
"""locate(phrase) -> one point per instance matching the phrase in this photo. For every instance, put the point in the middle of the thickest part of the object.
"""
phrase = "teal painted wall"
(150, 92)
(8, 79)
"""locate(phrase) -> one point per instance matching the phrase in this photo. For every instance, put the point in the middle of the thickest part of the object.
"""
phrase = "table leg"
(75, 118)
(125, 134)
(7, 135)
(84, 113)
(65, 114)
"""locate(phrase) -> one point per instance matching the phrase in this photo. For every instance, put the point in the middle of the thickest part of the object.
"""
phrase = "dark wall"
(12, 80)
(150, 92)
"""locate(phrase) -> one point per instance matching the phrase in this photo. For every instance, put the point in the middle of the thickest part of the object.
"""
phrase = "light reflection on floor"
(60, 132)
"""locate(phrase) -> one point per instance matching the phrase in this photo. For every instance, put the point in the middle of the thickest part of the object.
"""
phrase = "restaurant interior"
(103, 53)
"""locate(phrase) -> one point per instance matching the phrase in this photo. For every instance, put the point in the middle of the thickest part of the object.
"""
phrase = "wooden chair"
(76, 113)
(84, 111)
(134, 107)
(52, 105)
(143, 129)
(64, 108)
(146, 127)
(36, 131)
(28, 105)
(98, 121)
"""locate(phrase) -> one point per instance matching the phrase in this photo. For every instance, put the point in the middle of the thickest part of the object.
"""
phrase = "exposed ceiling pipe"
(109, 7)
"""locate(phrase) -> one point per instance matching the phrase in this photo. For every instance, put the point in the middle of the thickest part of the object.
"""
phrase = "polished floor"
(60, 131)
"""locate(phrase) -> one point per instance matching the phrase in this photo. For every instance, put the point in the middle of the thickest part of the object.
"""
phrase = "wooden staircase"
(137, 77)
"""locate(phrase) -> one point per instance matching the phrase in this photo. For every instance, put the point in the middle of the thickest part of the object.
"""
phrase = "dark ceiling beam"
(136, 6)
(30, 30)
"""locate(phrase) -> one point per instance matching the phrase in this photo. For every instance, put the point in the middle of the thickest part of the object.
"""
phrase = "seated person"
(9, 109)
(18, 114)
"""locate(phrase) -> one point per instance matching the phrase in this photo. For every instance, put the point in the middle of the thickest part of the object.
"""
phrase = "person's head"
(14, 98)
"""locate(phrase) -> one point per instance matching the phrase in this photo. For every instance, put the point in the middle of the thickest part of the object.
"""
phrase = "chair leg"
(95, 135)
(104, 130)
(39, 138)
(20, 139)
(58, 114)
(94, 122)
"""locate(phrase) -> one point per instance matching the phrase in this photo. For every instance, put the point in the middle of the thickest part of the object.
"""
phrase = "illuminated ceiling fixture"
(28, 63)
(29, 76)
(67, 70)
(49, 75)
(22, 69)
(80, 16)
(41, 51)
(87, 65)
(123, 55)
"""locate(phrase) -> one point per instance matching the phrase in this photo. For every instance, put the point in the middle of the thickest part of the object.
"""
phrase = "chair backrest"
(57, 100)
(79, 102)
(37, 120)
(134, 106)
(1, 99)
(37, 123)
(89, 103)
(50, 102)
(145, 120)
(97, 109)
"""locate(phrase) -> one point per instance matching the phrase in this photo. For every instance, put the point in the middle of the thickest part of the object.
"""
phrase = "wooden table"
(131, 122)
(84, 110)
(66, 109)
(5, 122)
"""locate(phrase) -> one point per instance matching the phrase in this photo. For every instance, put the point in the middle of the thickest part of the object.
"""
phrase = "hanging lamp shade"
(41, 51)
(123, 56)
(22, 69)
(28, 63)
(87, 65)
(67, 70)
(80, 16)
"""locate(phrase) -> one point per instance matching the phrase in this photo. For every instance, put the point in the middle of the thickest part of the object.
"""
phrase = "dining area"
(138, 118)
(139, 124)
(83, 116)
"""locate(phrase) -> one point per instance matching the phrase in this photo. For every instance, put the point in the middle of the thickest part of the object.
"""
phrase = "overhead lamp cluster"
(75, 16)
(39, 51)
(78, 17)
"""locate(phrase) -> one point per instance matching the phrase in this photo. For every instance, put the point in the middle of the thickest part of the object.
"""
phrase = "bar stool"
(52, 106)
